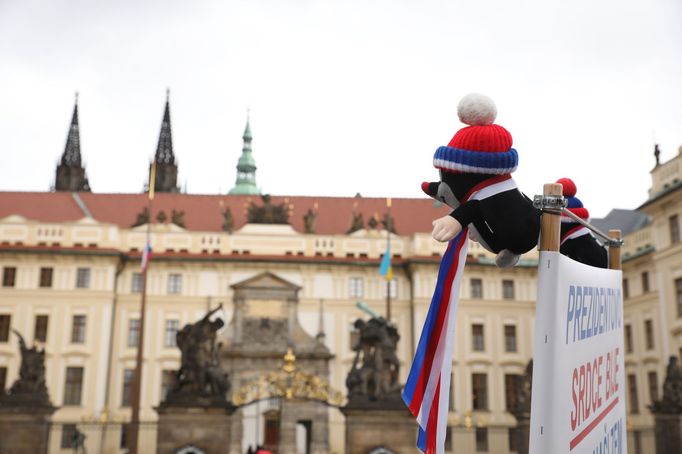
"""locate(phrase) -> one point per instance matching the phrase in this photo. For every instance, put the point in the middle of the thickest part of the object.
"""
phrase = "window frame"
(5, 326)
(356, 287)
(83, 277)
(508, 290)
(477, 339)
(507, 338)
(127, 387)
(479, 391)
(633, 397)
(136, 282)
(41, 330)
(476, 288)
(79, 330)
(9, 276)
(649, 341)
(46, 277)
(168, 340)
(174, 285)
(73, 389)
(133, 339)
(674, 228)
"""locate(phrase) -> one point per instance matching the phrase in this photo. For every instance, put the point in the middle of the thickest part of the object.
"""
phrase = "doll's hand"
(445, 228)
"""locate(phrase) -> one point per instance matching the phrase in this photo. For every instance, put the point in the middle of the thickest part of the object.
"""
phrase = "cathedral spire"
(70, 175)
(246, 166)
(166, 167)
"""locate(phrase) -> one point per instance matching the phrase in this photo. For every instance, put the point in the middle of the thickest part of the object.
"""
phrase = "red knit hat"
(481, 147)
(575, 206)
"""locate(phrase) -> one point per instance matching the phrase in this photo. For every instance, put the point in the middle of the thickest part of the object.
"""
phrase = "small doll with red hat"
(475, 171)
(577, 242)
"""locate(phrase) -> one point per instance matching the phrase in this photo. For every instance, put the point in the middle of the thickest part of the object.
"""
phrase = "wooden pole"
(614, 251)
(550, 227)
(136, 385)
(388, 251)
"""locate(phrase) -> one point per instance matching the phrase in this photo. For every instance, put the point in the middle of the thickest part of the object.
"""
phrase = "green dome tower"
(246, 167)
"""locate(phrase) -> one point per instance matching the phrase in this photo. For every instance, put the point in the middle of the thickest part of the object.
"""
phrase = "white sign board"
(578, 402)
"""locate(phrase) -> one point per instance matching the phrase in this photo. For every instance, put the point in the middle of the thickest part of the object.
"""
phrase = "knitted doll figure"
(577, 241)
(475, 171)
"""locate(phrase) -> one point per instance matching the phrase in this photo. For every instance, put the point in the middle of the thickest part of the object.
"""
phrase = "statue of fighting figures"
(671, 401)
(200, 377)
(376, 366)
(30, 388)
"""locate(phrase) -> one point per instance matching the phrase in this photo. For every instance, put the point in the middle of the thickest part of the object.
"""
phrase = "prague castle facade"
(70, 262)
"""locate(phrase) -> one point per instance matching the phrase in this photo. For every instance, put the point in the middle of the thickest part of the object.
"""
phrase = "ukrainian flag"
(386, 269)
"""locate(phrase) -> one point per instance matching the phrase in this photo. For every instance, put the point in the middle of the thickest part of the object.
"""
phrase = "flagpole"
(134, 428)
(388, 251)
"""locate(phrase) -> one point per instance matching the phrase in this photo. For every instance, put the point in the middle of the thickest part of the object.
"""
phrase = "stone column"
(239, 307)
(320, 429)
(521, 411)
(207, 428)
(668, 433)
(287, 428)
(25, 429)
(371, 428)
(668, 411)
(292, 319)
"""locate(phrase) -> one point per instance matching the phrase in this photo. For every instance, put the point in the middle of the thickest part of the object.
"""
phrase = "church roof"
(205, 212)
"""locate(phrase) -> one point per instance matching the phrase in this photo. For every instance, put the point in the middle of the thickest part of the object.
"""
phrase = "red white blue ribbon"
(427, 391)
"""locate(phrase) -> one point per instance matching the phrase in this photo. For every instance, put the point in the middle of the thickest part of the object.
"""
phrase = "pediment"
(14, 219)
(266, 280)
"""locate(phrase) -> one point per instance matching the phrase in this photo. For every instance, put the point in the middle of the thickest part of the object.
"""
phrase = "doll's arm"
(445, 228)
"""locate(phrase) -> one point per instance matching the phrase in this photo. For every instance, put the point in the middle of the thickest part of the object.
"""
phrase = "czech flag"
(146, 256)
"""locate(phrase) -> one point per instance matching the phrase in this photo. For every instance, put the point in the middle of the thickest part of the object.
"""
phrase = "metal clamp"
(550, 202)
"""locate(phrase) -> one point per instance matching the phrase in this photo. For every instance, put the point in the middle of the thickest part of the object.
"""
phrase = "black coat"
(507, 220)
(584, 249)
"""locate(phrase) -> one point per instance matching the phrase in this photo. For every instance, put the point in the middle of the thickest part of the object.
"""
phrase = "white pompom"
(476, 109)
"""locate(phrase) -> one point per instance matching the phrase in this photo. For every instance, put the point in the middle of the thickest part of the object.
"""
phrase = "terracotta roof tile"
(204, 212)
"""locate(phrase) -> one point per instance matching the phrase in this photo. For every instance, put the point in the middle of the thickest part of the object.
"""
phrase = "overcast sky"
(345, 96)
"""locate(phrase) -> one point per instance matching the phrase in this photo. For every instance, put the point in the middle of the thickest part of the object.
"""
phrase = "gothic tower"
(70, 174)
(166, 167)
(246, 167)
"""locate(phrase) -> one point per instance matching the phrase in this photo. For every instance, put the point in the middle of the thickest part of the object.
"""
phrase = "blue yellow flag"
(386, 269)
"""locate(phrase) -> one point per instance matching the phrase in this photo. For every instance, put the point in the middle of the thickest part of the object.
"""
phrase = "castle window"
(175, 283)
(356, 287)
(510, 338)
(170, 333)
(78, 329)
(674, 225)
(678, 291)
(649, 334)
(5, 320)
(632, 389)
(653, 386)
(45, 278)
(127, 387)
(479, 384)
(9, 275)
(477, 338)
(628, 339)
(133, 332)
(508, 289)
(645, 282)
(83, 278)
(481, 439)
(40, 329)
(476, 288)
(136, 283)
(73, 386)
